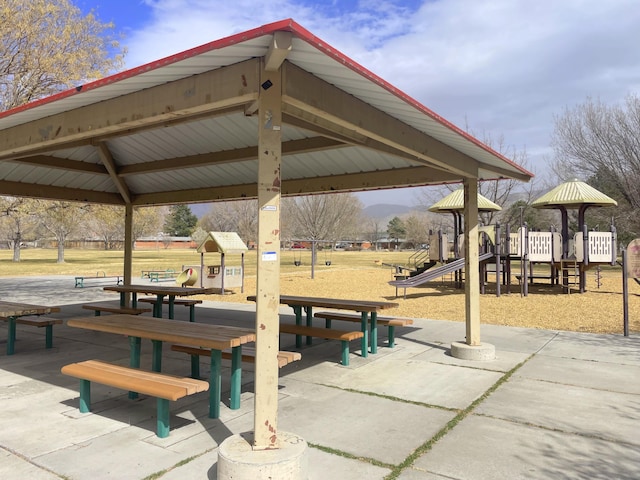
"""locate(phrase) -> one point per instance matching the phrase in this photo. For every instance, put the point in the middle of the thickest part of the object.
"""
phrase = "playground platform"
(551, 405)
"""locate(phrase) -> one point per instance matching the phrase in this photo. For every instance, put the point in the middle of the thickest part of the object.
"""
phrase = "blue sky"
(500, 69)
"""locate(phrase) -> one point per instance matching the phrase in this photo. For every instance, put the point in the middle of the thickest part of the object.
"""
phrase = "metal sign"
(633, 259)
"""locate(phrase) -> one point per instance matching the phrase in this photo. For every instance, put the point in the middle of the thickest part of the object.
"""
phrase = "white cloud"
(504, 67)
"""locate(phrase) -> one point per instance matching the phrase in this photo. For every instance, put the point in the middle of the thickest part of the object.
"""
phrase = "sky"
(503, 70)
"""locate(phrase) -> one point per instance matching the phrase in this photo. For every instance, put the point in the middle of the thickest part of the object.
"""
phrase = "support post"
(471, 267)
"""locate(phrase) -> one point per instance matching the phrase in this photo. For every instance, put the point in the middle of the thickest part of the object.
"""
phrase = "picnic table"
(368, 310)
(160, 291)
(12, 311)
(214, 337)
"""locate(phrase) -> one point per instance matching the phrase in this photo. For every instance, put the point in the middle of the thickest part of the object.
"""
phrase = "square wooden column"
(268, 281)
(471, 264)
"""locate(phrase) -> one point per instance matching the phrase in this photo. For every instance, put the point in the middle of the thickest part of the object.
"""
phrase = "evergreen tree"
(396, 229)
(180, 222)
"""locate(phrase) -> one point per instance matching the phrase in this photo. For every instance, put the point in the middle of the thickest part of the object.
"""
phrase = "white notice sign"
(269, 257)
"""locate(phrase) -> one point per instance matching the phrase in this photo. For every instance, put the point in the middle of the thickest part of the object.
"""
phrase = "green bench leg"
(134, 358)
(192, 313)
(345, 352)
(215, 384)
(195, 366)
(156, 356)
(85, 396)
(309, 312)
(163, 418)
(236, 377)
(374, 332)
(392, 336)
(11, 338)
(364, 342)
(48, 336)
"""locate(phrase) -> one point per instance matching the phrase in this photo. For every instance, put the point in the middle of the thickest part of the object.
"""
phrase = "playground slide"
(438, 272)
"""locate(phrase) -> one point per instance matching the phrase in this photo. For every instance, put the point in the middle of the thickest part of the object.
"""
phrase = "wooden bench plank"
(327, 333)
(185, 302)
(39, 321)
(248, 355)
(389, 322)
(160, 385)
(98, 308)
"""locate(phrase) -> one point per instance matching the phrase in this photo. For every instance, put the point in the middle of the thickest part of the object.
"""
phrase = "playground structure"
(567, 258)
(220, 275)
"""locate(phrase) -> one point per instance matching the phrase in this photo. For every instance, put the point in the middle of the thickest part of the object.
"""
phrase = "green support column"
(156, 359)
(364, 342)
(134, 358)
(85, 396)
(162, 422)
(11, 336)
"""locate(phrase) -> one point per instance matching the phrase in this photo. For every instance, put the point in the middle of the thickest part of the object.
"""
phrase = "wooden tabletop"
(13, 309)
(219, 337)
(337, 303)
(161, 290)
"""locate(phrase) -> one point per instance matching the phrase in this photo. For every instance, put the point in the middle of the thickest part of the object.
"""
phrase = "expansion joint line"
(428, 445)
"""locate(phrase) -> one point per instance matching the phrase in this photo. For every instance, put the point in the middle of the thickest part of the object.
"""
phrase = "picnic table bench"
(327, 333)
(248, 356)
(40, 322)
(388, 322)
(100, 279)
(111, 307)
(185, 302)
(157, 275)
(160, 385)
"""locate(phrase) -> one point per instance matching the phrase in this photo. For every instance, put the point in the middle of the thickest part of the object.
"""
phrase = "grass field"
(362, 275)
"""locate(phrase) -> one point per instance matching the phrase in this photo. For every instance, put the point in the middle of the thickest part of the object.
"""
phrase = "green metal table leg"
(48, 336)
(162, 429)
(364, 342)
(192, 313)
(195, 366)
(392, 336)
(309, 312)
(11, 338)
(215, 384)
(134, 358)
(236, 377)
(156, 359)
(172, 299)
(374, 332)
(297, 309)
(157, 307)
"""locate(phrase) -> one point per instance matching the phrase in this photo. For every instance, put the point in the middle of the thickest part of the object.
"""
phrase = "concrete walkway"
(553, 405)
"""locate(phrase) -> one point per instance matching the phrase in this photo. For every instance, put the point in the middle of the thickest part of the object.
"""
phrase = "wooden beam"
(222, 88)
(109, 164)
(47, 192)
(394, 178)
(327, 106)
(292, 147)
(279, 49)
(58, 163)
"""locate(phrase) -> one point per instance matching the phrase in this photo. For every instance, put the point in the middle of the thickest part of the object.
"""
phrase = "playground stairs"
(425, 266)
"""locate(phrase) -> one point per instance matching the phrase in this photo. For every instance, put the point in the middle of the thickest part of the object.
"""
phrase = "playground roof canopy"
(454, 202)
(573, 194)
(223, 242)
(184, 129)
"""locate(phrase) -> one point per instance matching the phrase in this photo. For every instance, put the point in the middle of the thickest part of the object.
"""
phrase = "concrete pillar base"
(480, 353)
(237, 460)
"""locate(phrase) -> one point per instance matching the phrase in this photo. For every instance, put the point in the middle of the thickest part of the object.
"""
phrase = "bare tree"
(147, 221)
(330, 216)
(61, 219)
(600, 144)
(18, 219)
(107, 222)
(47, 46)
(238, 216)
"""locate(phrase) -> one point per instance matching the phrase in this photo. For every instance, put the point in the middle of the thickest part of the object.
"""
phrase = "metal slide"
(438, 272)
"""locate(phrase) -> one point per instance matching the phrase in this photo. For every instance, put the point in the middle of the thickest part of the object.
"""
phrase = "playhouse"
(219, 274)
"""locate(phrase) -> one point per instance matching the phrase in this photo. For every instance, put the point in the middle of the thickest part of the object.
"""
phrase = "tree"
(332, 216)
(47, 46)
(18, 222)
(180, 222)
(239, 216)
(146, 221)
(61, 219)
(107, 222)
(601, 144)
(396, 229)
(416, 229)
